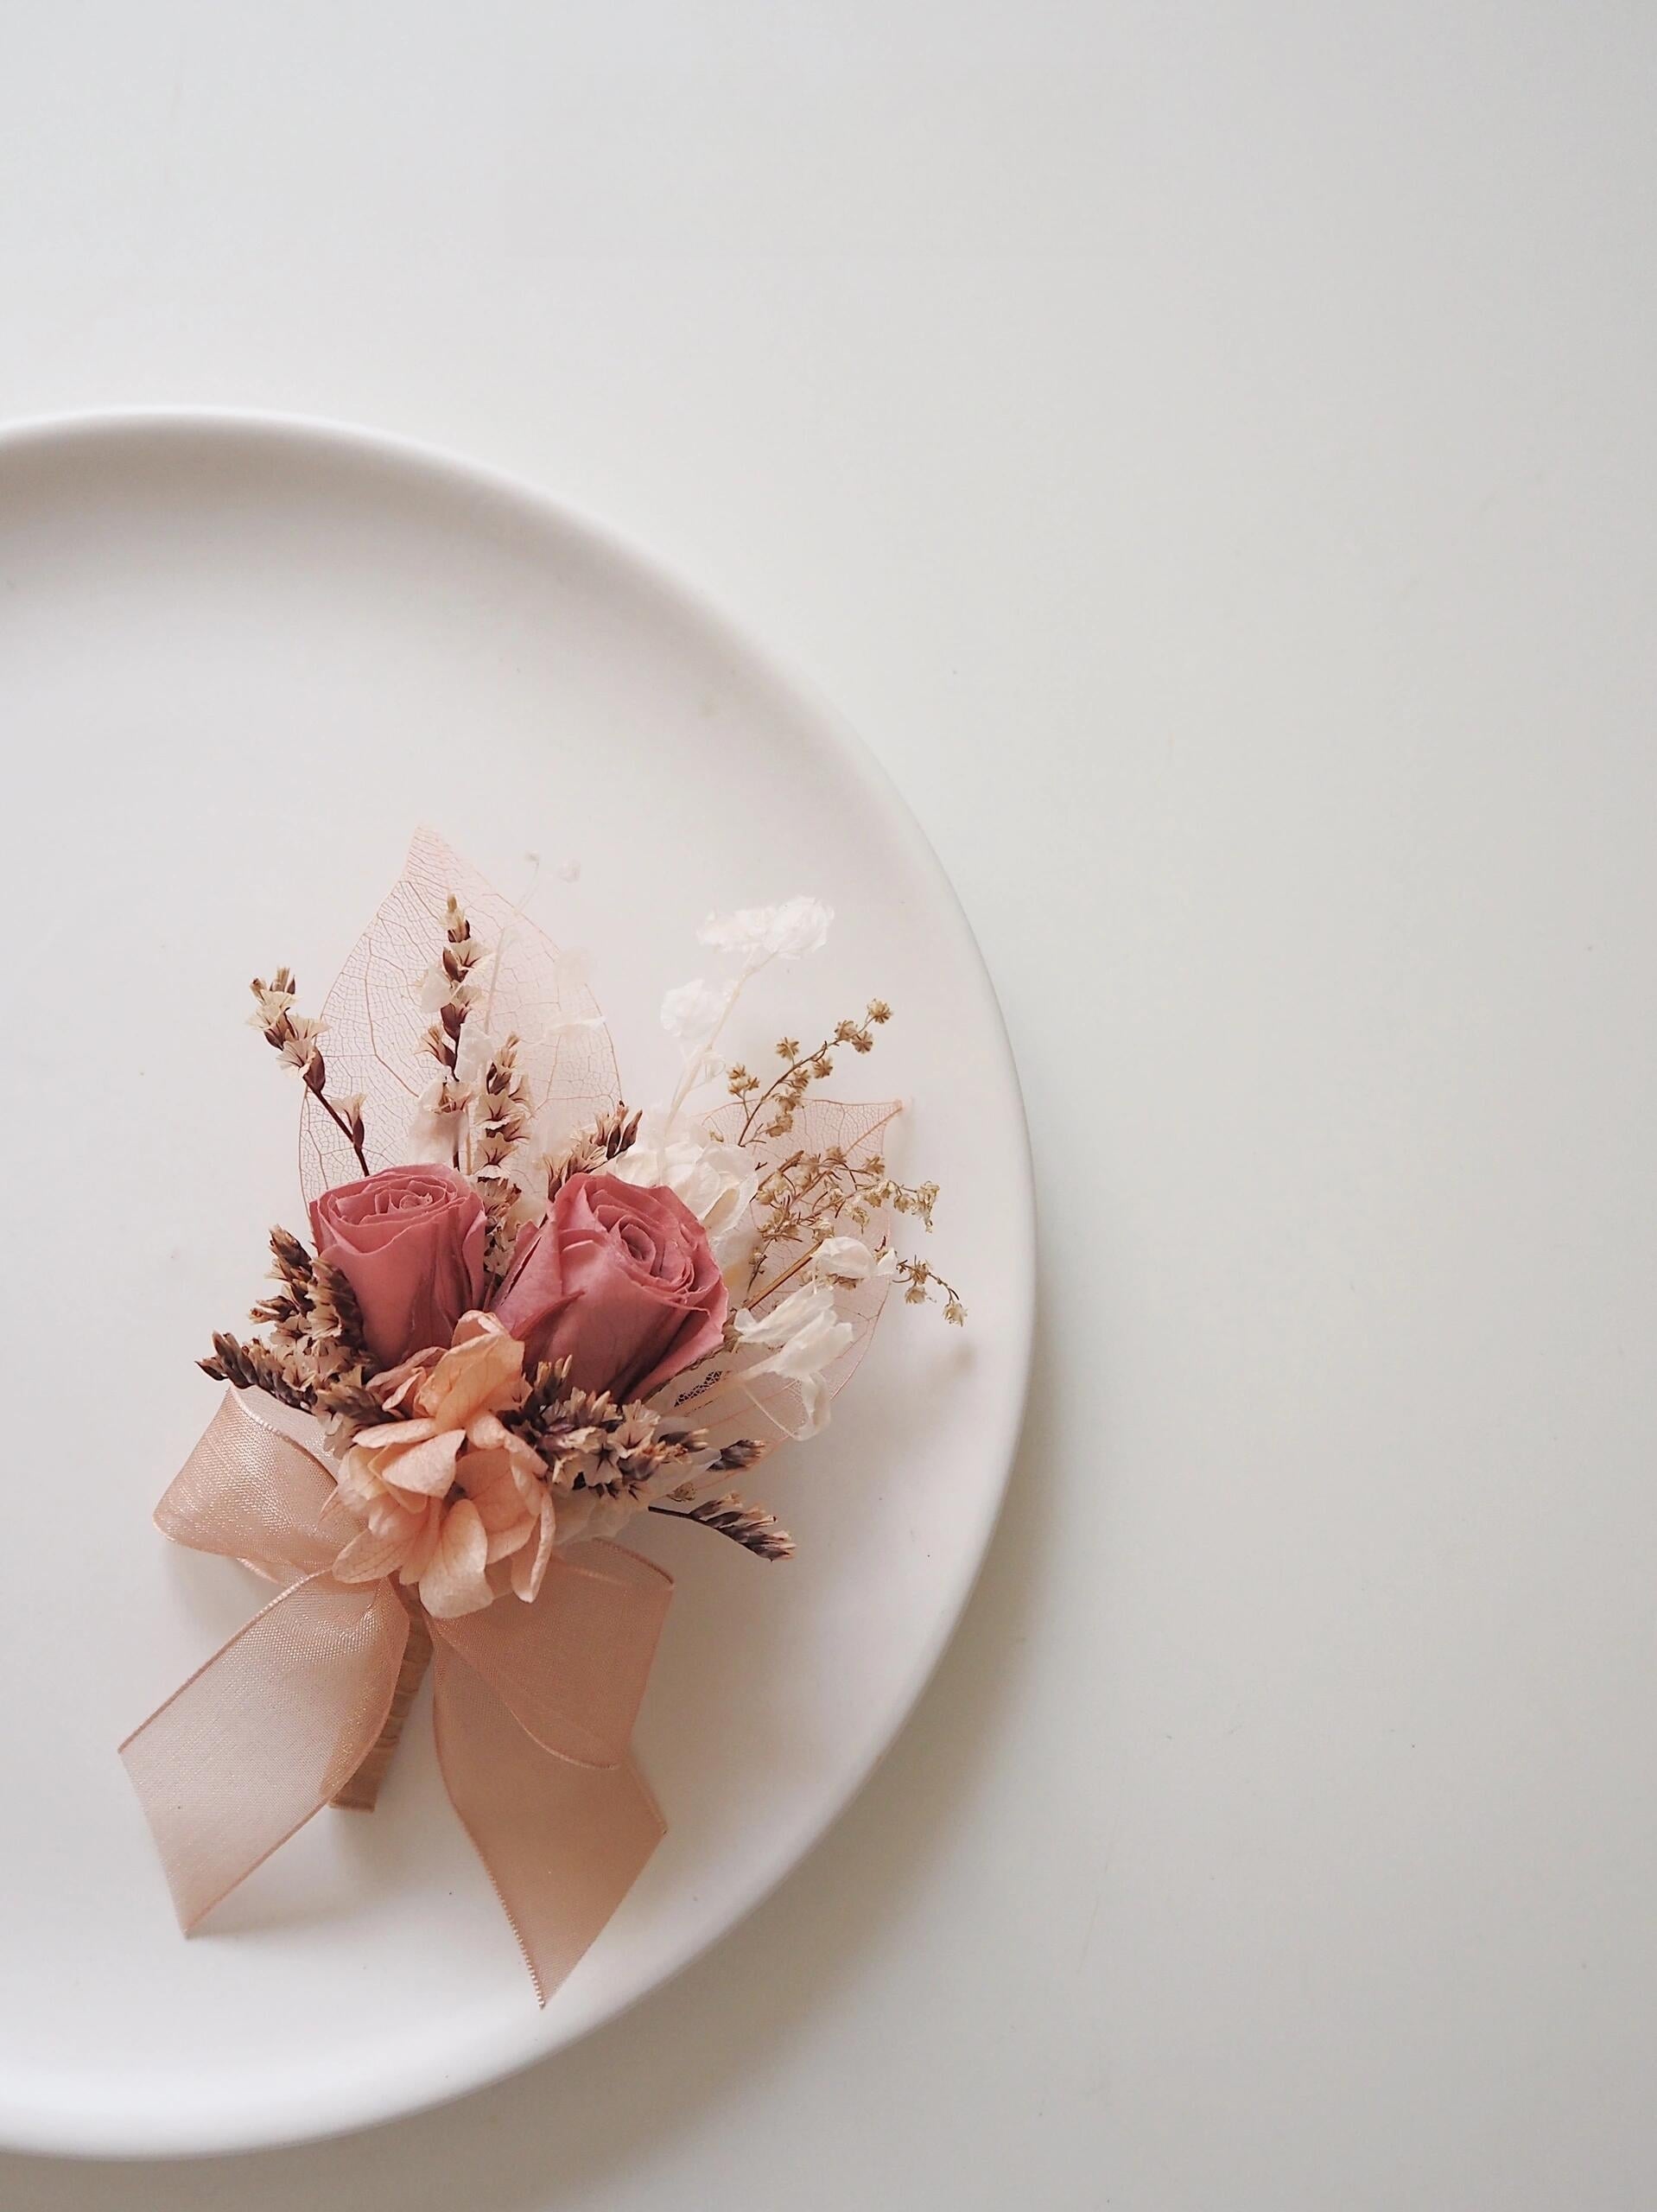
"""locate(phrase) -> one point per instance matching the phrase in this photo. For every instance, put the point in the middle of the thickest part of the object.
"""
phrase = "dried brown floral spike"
(335, 1314)
(460, 954)
(589, 1148)
(294, 1035)
(294, 1263)
(254, 1366)
(501, 1112)
(740, 1453)
(753, 1528)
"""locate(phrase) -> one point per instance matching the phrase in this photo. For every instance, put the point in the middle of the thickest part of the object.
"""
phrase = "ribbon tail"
(562, 1842)
(263, 1735)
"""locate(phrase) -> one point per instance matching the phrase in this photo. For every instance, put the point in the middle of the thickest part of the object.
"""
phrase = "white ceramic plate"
(240, 661)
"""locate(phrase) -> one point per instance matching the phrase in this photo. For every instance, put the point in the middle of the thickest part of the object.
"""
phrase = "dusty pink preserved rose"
(410, 1242)
(620, 1281)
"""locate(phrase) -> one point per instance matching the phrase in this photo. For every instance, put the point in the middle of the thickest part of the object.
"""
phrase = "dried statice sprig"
(591, 1440)
(450, 989)
(336, 1318)
(618, 1449)
(449, 992)
(251, 1365)
(313, 1356)
(294, 1035)
(502, 1109)
(753, 1528)
(315, 1319)
(780, 1100)
(591, 1148)
(501, 1113)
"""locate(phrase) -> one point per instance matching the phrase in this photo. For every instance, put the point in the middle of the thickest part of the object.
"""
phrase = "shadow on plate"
(559, 2129)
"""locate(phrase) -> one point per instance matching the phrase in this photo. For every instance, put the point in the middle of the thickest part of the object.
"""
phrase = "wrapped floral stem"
(361, 1793)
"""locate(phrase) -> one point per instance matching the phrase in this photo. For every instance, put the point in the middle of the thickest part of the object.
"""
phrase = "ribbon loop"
(252, 1491)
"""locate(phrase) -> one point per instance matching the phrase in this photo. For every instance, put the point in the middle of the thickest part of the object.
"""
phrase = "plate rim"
(114, 2135)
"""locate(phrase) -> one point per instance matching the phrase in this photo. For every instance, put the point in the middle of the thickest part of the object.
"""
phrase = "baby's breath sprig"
(916, 1199)
(807, 1197)
(919, 1278)
(294, 1035)
(782, 1098)
(810, 1197)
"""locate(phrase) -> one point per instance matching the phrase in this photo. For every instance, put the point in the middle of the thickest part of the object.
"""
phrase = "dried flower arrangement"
(541, 1316)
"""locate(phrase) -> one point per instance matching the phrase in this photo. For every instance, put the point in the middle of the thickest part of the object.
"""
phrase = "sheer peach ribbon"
(533, 1704)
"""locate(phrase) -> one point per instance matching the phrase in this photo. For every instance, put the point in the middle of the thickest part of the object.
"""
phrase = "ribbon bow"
(533, 1704)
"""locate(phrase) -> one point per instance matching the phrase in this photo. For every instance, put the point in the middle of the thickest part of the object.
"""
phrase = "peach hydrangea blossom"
(444, 1490)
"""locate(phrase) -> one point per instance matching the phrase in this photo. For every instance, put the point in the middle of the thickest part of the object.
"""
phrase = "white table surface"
(1210, 454)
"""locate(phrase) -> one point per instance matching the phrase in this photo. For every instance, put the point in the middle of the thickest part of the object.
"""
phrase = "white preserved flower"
(272, 1003)
(784, 932)
(715, 1181)
(302, 1031)
(630, 1435)
(695, 1011)
(438, 989)
(436, 1120)
(848, 1259)
(582, 1516)
(805, 1336)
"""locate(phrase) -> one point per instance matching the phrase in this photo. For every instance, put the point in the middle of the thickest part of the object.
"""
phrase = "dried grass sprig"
(589, 1149)
(251, 1365)
(593, 1441)
(810, 1195)
(783, 1096)
(501, 1113)
(315, 1356)
(294, 1035)
(753, 1528)
(450, 989)
(918, 1277)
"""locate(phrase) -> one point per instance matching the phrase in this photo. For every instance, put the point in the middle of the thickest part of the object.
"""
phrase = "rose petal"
(410, 1242)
